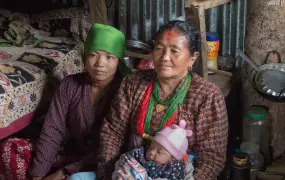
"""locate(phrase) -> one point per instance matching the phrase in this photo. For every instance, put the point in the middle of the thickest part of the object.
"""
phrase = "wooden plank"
(201, 12)
(207, 4)
(98, 11)
(192, 17)
(187, 3)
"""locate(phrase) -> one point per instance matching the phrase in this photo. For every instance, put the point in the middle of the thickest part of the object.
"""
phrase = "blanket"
(127, 167)
(27, 57)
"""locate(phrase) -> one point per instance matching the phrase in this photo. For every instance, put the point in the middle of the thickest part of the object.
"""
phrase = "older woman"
(75, 114)
(149, 100)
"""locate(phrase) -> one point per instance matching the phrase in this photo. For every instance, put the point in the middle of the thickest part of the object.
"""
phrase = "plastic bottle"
(254, 156)
(213, 46)
(256, 129)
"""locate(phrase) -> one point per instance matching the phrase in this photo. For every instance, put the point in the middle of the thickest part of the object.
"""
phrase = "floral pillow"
(64, 22)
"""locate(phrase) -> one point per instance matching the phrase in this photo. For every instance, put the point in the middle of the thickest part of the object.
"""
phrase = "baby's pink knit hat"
(174, 139)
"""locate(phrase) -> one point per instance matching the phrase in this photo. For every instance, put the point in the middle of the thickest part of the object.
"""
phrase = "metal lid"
(212, 36)
(240, 159)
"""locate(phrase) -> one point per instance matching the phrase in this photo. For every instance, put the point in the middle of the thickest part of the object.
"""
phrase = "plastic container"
(213, 46)
(254, 156)
(256, 129)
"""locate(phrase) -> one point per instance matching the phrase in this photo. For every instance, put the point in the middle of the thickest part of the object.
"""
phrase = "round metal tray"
(271, 79)
(264, 91)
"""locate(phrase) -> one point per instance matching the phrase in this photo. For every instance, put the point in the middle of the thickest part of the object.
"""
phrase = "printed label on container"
(213, 48)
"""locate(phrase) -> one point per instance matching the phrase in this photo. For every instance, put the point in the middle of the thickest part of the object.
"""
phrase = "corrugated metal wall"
(75, 3)
(140, 19)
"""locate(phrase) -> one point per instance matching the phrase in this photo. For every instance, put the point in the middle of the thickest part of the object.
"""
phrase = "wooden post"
(201, 12)
(98, 11)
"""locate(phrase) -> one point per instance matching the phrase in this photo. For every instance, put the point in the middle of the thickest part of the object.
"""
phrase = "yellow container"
(213, 46)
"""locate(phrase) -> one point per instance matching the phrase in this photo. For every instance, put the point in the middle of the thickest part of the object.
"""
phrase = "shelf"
(207, 4)
(200, 6)
(223, 82)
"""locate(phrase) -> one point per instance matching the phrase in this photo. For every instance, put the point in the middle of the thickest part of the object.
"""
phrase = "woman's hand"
(58, 175)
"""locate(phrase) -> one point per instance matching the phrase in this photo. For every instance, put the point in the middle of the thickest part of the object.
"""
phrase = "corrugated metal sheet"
(140, 19)
(75, 3)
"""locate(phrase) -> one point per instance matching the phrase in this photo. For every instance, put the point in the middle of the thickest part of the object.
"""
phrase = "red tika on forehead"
(169, 35)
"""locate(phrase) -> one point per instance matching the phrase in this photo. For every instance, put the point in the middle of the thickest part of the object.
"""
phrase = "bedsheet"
(23, 74)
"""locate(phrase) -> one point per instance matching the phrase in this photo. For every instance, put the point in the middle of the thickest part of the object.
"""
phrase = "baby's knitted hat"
(174, 139)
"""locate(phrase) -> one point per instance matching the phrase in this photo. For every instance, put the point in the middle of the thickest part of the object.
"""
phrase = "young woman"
(75, 115)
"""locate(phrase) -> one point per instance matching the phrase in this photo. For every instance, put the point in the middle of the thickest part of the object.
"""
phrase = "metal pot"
(136, 47)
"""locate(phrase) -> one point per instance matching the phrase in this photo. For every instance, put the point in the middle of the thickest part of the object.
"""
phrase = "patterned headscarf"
(109, 39)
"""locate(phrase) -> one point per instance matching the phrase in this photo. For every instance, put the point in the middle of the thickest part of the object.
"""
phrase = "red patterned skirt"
(16, 156)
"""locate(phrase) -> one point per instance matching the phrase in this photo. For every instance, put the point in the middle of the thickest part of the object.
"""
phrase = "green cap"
(105, 38)
(256, 113)
(109, 39)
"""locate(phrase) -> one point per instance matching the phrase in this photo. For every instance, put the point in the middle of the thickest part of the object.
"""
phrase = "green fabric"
(5, 43)
(109, 39)
(18, 34)
(173, 103)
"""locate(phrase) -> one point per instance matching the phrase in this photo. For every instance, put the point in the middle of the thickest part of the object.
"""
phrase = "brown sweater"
(203, 109)
(72, 116)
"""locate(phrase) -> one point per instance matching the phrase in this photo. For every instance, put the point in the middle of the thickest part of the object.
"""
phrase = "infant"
(163, 159)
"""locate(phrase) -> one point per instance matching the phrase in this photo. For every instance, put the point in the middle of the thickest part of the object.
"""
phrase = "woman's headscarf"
(109, 39)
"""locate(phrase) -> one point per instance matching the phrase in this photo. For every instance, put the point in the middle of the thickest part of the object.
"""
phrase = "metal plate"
(271, 79)
(275, 99)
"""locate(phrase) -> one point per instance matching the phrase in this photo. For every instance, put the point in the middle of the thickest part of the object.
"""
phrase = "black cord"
(110, 4)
